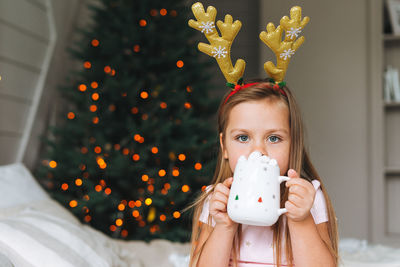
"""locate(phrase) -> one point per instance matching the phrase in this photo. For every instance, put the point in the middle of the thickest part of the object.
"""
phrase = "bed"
(37, 231)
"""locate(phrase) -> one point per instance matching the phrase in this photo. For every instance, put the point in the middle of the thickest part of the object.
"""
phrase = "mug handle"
(281, 179)
(281, 211)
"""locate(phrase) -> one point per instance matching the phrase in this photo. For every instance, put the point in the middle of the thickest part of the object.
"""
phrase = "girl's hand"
(219, 202)
(301, 197)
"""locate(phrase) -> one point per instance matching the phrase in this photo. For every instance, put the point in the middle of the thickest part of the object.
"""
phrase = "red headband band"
(240, 87)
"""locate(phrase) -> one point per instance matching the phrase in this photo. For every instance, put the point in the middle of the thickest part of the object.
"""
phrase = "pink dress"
(256, 244)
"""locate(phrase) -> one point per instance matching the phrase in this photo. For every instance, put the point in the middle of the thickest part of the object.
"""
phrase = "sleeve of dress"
(205, 210)
(319, 210)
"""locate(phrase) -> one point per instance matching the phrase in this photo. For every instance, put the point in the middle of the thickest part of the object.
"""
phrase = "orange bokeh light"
(143, 22)
(135, 213)
(197, 166)
(121, 207)
(78, 182)
(181, 157)
(124, 233)
(87, 65)
(64, 186)
(95, 96)
(136, 157)
(154, 150)
(162, 173)
(95, 42)
(136, 48)
(188, 105)
(153, 12)
(163, 12)
(98, 188)
(94, 85)
(97, 149)
(145, 177)
(185, 188)
(118, 222)
(136, 137)
(150, 188)
(71, 115)
(107, 191)
(179, 64)
(134, 110)
(175, 172)
(82, 87)
(144, 95)
(73, 203)
(52, 164)
(176, 214)
(163, 217)
(93, 108)
(163, 105)
(107, 69)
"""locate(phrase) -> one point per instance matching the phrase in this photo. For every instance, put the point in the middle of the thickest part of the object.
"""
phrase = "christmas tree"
(136, 142)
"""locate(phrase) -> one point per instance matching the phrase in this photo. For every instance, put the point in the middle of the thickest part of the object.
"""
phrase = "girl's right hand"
(219, 202)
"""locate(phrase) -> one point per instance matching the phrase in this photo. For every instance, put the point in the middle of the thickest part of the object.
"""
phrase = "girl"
(266, 118)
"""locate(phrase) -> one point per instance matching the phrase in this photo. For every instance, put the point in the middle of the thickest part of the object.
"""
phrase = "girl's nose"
(260, 148)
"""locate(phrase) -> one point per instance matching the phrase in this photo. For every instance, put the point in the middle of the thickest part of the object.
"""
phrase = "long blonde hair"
(298, 160)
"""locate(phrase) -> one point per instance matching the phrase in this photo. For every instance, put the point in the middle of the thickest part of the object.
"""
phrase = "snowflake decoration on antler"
(207, 26)
(293, 32)
(287, 54)
(219, 51)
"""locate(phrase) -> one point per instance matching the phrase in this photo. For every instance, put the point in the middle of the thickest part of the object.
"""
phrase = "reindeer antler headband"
(220, 46)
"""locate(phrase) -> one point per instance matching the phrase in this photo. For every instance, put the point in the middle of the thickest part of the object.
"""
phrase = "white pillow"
(18, 187)
(34, 238)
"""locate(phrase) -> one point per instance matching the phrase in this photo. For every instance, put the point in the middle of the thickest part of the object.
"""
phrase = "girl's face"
(261, 125)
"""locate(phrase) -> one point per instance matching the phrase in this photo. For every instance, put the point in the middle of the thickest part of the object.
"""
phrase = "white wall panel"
(13, 115)
(17, 81)
(25, 16)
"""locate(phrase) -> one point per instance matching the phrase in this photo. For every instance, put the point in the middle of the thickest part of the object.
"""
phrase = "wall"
(24, 44)
(328, 74)
(68, 15)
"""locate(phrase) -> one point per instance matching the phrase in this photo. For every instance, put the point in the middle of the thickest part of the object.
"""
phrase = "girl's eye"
(243, 138)
(273, 139)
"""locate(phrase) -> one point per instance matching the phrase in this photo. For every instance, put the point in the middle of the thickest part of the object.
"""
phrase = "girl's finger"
(295, 200)
(221, 197)
(222, 188)
(298, 190)
(228, 182)
(218, 206)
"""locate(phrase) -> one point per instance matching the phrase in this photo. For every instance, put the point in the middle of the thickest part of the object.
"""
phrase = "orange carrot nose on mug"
(254, 197)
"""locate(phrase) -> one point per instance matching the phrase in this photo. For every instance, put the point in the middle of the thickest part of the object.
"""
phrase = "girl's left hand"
(301, 197)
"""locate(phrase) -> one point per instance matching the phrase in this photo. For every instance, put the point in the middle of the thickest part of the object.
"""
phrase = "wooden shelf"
(392, 105)
(392, 170)
(391, 38)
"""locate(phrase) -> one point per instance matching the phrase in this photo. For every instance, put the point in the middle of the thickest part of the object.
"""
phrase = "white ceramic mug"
(254, 197)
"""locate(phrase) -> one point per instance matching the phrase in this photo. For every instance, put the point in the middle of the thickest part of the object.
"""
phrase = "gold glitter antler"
(283, 49)
(220, 46)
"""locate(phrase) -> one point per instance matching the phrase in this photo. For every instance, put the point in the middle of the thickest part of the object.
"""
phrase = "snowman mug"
(254, 197)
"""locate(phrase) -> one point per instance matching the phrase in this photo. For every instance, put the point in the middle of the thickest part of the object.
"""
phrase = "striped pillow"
(33, 238)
